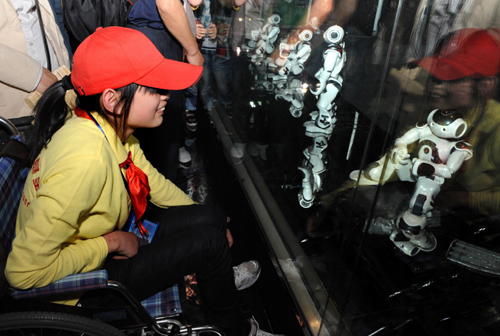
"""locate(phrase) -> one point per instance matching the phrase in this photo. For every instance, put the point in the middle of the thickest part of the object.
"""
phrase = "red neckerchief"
(137, 181)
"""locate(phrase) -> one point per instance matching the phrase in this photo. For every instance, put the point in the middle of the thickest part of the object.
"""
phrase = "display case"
(364, 134)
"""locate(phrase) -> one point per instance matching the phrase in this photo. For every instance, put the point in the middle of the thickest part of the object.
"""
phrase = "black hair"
(51, 112)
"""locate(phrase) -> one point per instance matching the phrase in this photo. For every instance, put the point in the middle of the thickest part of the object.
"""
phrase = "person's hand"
(123, 244)
(195, 59)
(212, 31)
(200, 31)
(46, 81)
(229, 237)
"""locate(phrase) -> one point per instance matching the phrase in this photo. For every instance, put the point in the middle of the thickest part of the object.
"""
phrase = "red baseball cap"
(114, 57)
(467, 53)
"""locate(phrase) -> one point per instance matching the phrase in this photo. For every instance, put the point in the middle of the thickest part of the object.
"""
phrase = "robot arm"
(461, 152)
(399, 154)
(273, 33)
(332, 58)
(255, 34)
(304, 51)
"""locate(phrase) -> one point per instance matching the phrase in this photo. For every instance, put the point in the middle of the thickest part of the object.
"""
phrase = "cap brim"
(444, 68)
(172, 75)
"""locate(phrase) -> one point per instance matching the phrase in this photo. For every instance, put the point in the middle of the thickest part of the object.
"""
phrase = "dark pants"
(161, 145)
(190, 239)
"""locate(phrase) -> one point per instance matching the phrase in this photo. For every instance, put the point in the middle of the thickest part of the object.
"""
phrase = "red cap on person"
(114, 57)
(467, 53)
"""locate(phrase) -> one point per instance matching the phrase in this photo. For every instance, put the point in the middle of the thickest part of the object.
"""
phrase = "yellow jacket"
(73, 195)
(480, 175)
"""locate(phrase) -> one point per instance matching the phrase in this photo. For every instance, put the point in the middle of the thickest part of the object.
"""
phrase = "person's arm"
(21, 71)
(47, 79)
(175, 19)
(49, 243)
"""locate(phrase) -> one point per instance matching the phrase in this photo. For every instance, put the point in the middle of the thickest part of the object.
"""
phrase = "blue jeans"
(220, 67)
(58, 13)
(192, 97)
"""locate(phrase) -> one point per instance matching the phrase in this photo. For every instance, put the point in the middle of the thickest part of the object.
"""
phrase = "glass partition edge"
(319, 313)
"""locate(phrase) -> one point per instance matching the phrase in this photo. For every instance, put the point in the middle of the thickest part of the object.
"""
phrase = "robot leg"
(296, 108)
(372, 174)
(325, 100)
(307, 193)
(410, 235)
(327, 121)
(316, 156)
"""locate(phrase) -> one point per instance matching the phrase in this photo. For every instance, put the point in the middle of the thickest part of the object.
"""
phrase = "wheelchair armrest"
(70, 284)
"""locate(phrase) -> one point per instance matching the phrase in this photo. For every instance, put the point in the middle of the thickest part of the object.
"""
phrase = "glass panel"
(375, 179)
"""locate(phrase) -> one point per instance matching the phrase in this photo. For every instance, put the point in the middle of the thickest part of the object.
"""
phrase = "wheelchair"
(28, 312)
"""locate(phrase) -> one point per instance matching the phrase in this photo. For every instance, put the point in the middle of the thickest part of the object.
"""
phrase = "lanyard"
(140, 226)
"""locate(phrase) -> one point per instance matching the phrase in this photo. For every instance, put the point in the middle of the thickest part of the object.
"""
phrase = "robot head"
(274, 19)
(306, 35)
(447, 124)
(334, 34)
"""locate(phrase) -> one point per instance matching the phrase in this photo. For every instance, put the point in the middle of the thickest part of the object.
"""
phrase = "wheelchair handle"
(9, 125)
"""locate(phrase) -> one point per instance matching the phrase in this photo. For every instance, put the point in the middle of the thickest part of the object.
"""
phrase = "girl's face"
(451, 94)
(146, 110)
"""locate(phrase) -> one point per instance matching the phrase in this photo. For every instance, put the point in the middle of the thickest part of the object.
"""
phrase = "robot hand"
(322, 83)
(255, 34)
(400, 155)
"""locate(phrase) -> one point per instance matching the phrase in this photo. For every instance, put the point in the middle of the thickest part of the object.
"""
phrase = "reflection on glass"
(370, 130)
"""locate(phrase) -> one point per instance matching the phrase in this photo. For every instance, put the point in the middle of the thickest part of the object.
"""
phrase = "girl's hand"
(200, 31)
(212, 31)
(123, 244)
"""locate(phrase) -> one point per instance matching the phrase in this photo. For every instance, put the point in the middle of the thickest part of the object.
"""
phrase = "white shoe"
(256, 331)
(238, 150)
(184, 158)
(246, 273)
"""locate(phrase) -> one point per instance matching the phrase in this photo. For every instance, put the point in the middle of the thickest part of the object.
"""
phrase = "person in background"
(165, 23)
(57, 8)
(23, 59)
(213, 28)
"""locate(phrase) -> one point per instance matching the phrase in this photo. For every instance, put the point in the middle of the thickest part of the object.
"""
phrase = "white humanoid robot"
(263, 39)
(440, 154)
(330, 81)
(292, 59)
(322, 122)
(296, 54)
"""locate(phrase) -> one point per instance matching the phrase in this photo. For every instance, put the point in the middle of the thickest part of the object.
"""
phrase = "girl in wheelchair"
(88, 171)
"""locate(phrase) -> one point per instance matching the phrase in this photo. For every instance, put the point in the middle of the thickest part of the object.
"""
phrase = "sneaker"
(191, 122)
(184, 158)
(256, 331)
(245, 274)
(238, 151)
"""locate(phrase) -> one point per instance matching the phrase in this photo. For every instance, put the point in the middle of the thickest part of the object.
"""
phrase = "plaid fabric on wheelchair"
(12, 178)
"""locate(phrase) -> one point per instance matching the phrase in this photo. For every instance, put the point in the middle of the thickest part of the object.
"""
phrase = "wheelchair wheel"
(48, 324)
